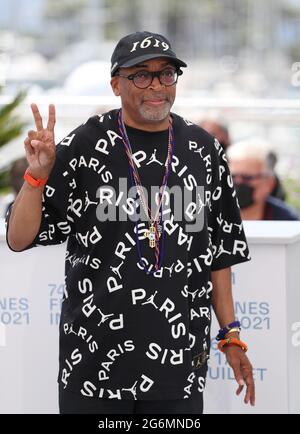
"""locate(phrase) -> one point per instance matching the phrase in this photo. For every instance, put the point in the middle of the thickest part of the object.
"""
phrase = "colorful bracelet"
(226, 329)
(232, 341)
(34, 182)
(233, 330)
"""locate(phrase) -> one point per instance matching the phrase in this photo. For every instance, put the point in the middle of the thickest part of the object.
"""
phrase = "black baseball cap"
(140, 46)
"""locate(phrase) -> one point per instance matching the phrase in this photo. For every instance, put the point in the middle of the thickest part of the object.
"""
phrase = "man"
(140, 280)
(221, 133)
(254, 178)
(218, 130)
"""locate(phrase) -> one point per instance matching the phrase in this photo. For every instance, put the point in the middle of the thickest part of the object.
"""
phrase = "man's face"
(145, 106)
(253, 173)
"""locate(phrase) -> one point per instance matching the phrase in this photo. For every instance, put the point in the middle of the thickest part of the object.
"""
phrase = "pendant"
(150, 234)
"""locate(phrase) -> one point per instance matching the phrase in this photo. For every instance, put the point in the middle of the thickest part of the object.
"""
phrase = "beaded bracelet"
(232, 341)
(226, 329)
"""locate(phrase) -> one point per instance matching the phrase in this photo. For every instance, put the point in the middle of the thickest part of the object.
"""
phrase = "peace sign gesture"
(40, 144)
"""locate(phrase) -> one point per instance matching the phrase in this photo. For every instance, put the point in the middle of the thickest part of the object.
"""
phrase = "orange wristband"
(33, 181)
(232, 341)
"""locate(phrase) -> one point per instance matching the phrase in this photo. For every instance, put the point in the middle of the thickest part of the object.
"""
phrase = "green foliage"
(11, 125)
(4, 182)
(292, 187)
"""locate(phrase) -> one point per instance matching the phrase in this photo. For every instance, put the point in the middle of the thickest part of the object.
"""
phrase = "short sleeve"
(57, 223)
(226, 229)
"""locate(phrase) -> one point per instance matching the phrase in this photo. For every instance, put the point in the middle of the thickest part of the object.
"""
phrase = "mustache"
(157, 96)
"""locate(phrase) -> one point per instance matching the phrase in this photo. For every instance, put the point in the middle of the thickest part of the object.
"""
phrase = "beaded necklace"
(156, 228)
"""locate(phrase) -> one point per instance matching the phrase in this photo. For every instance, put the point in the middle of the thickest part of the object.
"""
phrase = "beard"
(156, 113)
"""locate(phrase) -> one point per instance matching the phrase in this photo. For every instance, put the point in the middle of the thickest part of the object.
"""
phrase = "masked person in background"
(254, 179)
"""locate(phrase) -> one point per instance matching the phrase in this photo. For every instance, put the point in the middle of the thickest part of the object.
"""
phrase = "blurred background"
(243, 68)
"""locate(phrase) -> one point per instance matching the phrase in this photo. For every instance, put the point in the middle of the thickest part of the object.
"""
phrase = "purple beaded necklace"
(154, 233)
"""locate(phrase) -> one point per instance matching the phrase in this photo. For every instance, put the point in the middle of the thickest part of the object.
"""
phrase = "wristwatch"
(33, 181)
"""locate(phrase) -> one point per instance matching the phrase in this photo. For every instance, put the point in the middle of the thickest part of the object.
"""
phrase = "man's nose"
(155, 82)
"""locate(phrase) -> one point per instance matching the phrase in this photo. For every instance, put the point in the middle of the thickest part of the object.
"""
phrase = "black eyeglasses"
(248, 178)
(143, 79)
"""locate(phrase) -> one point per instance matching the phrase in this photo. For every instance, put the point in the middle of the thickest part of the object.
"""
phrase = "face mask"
(244, 194)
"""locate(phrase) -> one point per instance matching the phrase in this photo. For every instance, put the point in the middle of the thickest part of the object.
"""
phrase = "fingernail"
(241, 383)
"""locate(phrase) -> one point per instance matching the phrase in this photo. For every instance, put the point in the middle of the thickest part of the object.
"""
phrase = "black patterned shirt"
(126, 334)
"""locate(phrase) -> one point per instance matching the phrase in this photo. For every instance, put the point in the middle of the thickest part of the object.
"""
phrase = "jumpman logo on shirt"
(71, 330)
(193, 294)
(222, 250)
(170, 269)
(150, 300)
(198, 362)
(88, 202)
(153, 159)
(115, 270)
(132, 390)
(199, 151)
(201, 203)
(103, 317)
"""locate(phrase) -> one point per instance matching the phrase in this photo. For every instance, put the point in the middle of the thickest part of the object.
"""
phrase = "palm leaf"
(10, 125)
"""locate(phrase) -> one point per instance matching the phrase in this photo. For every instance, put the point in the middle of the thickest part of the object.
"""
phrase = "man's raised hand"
(40, 144)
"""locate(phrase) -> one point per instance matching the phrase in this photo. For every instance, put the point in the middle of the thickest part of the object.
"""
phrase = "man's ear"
(114, 82)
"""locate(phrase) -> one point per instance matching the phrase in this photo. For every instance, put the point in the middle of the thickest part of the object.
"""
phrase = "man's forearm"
(222, 299)
(25, 218)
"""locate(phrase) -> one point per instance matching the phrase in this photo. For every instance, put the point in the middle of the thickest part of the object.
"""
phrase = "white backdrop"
(267, 302)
